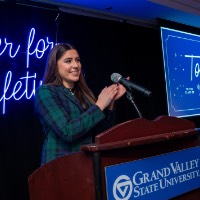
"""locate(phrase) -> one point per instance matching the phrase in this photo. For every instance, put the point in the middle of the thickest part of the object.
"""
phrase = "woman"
(67, 109)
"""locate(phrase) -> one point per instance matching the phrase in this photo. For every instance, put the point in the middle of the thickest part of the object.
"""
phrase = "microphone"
(117, 78)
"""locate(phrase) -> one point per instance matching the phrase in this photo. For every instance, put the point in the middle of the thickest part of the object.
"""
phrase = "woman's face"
(69, 68)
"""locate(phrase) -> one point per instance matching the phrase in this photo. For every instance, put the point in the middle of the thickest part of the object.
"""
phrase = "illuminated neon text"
(26, 85)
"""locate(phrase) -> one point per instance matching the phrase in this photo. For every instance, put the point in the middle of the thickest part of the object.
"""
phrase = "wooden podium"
(82, 176)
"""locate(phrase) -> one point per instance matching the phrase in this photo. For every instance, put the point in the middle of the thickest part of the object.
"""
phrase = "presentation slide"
(181, 55)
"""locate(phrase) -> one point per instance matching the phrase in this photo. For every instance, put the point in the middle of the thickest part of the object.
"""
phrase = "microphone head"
(115, 77)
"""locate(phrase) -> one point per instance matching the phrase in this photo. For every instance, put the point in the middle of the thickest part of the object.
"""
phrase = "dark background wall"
(104, 46)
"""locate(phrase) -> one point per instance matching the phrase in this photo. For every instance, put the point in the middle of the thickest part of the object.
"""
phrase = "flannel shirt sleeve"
(52, 113)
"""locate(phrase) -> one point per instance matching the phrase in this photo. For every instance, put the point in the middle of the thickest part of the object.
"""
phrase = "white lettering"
(19, 86)
(25, 86)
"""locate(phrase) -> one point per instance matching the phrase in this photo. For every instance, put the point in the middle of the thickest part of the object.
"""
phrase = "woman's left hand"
(120, 92)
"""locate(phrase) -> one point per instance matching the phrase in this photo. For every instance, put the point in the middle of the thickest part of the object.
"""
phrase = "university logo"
(122, 188)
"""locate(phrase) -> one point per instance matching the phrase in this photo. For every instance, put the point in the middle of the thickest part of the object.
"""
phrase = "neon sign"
(26, 85)
(10, 46)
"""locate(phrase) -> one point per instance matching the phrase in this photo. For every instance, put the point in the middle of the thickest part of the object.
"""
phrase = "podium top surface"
(142, 131)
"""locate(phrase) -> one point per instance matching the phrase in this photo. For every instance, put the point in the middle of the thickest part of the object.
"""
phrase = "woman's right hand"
(106, 96)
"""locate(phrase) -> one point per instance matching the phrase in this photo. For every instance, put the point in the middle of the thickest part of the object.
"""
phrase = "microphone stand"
(131, 99)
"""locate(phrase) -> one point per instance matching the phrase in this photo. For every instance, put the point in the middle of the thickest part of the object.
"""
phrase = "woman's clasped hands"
(109, 95)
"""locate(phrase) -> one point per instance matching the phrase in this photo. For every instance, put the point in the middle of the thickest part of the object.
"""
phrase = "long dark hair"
(52, 77)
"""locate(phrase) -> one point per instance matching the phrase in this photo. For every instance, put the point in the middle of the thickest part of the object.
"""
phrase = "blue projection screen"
(181, 54)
